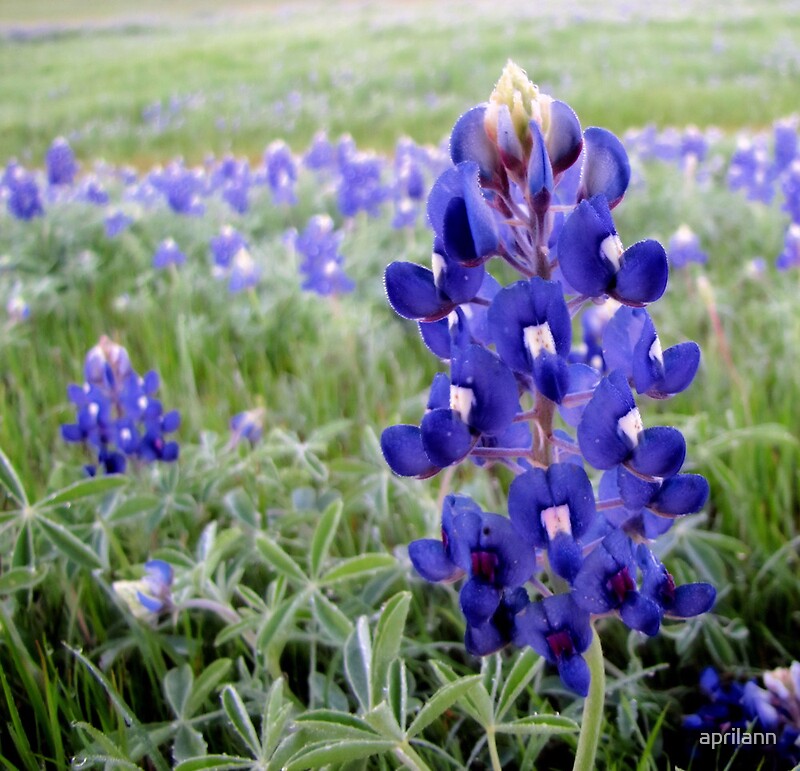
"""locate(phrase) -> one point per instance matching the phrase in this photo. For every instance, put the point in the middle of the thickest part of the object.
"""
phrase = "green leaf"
(324, 753)
(528, 662)
(84, 488)
(274, 718)
(397, 691)
(442, 700)
(387, 639)
(68, 543)
(177, 688)
(477, 711)
(237, 713)
(189, 743)
(280, 618)
(358, 663)
(324, 535)
(382, 720)
(333, 725)
(279, 559)
(358, 567)
(241, 507)
(15, 579)
(132, 508)
(9, 479)
(109, 754)
(541, 725)
(205, 683)
(214, 763)
(336, 624)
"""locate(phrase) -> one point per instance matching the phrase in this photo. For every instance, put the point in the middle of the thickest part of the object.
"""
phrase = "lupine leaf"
(524, 669)
(177, 689)
(20, 578)
(189, 743)
(237, 713)
(442, 700)
(214, 763)
(386, 643)
(240, 505)
(205, 683)
(273, 720)
(335, 623)
(541, 725)
(324, 535)
(397, 691)
(83, 489)
(358, 567)
(325, 753)
(278, 559)
(358, 663)
(10, 480)
(333, 725)
(68, 543)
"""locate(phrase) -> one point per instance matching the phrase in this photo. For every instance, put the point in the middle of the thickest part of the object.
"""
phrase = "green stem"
(493, 754)
(592, 722)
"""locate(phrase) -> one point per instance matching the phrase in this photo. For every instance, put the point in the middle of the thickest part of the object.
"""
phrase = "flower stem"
(592, 721)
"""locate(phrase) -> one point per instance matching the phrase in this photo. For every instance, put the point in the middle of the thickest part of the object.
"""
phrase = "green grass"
(256, 532)
(261, 71)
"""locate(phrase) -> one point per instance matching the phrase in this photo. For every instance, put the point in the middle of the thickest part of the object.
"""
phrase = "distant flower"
(281, 172)
(322, 265)
(117, 222)
(17, 309)
(118, 414)
(60, 162)
(225, 245)
(790, 256)
(24, 201)
(150, 595)
(684, 247)
(168, 253)
(244, 272)
(247, 425)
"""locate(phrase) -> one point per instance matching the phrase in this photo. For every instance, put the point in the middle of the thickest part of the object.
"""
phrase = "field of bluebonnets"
(204, 553)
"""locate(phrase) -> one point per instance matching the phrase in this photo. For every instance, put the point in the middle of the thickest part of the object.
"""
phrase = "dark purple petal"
(580, 251)
(563, 139)
(634, 491)
(402, 448)
(484, 639)
(446, 439)
(479, 601)
(574, 673)
(494, 387)
(446, 187)
(468, 142)
(660, 452)
(551, 375)
(692, 600)
(412, 292)
(641, 613)
(566, 557)
(431, 561)
(516, 559)
(540, 172)
(170, 452)
(606, 169)
(643, 276)
(681, 494)
(458, 283)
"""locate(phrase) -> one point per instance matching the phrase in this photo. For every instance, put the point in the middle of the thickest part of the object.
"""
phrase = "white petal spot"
(142, 402)
(438, 265)
(611, 248)
(556, 520)
(656, 354)
(94, 409)
(539, 338)
(125, 434)
(461, 401)
(631, 425)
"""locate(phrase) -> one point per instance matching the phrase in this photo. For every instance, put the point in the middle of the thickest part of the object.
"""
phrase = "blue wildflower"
(24, 201)
(790, 256)
(168, 253)
(150, 595)
(60, 162)
(322, 265)
(684, 247)
(225, 245)
(281, 172)
(116, 222)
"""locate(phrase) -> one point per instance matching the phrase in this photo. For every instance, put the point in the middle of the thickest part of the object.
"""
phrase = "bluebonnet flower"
(790, 186)
(24, 201)
(750, 170)
(281, 172)
(244, 272)
(225, 245)
(785, 143)
(150, 595)
(168, 253)
(247, 425)
(116, 222)
(321, 155)
(181, 187)
(684, 247)
(93, 192)
(528, 187)
(118, 414)
(60, 162)
(322, 265)
(360, 186)
(790, 256)
(17, 308)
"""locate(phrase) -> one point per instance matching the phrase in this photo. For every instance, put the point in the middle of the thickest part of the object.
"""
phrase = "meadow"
(293, 631)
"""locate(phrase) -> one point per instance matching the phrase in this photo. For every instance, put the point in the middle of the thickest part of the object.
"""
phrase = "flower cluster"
(118, 414)
(529, 187)
(734, 708)
(321, 265)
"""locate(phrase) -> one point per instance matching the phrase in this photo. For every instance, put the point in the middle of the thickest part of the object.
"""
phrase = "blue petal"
(680, 366)
(574, 673)
(445, 188)
(563, 139)
(508, 143)
(484, 639)
(436, 336)
(517, 560)
(641, 613)
(681, 494)
(635, 492)
(598, 433)
(160, 570)
(402, 448)
(692, 600)
(570, 484)
(479, 601)
(566, 557)
(582, 377)
(660, 452)
(431, 561)
(643, 276)
(551, 375)
(494, 387)
(412, 292)
(562, 612)
(446, 439)
(620, 337)
(458, 283)
(439, 395)
(469, 142)
(528, 495)
(579, 254)
(540, 172)
(469, 231)
(606, 169)
(171, 422)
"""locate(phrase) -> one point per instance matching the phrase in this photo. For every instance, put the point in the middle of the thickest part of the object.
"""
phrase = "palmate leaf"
(10, 481)
(68, 543)
(84, 488)
(279, 560)
(527, 663)
(324, 753)
(386, 643)
(236, 712)
(441, 701)
(214, 763)
(15, 579)
(323, 536)
(177, 689)
(358, 663)
(539, 725)
(205, 683)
